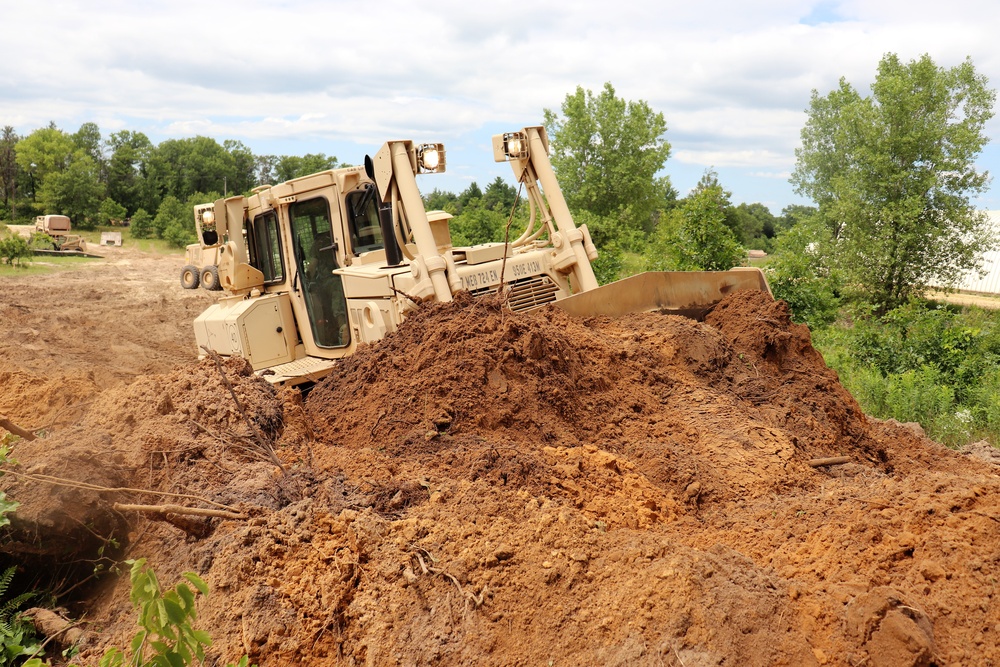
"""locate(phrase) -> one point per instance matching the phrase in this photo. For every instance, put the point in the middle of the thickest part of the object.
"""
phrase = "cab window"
(362, 215)
(264, 247)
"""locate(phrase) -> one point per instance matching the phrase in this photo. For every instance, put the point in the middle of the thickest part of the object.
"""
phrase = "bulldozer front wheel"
(210, 278)
(189, 277)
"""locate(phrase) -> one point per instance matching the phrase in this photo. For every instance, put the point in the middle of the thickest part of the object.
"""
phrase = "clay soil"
(490, 488)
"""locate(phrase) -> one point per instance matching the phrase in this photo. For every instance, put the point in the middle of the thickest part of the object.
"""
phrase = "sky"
(733, 78)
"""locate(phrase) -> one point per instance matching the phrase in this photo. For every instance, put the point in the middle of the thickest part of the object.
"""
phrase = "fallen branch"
(414, 300)
(832, 461)
(51, 624)
(15, 429)
(177, 509)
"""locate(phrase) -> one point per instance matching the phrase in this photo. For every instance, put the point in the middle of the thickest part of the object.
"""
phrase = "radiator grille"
(526, 293)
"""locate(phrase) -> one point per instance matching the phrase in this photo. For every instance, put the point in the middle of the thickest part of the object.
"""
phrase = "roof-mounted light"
(510, 146)
(430, 158)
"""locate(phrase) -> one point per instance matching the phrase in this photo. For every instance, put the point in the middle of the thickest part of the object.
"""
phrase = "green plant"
(939, 366)
(17, 636)
(141, 226)
(167, 636)
(14, 250)
(801, 274)
(6, 505)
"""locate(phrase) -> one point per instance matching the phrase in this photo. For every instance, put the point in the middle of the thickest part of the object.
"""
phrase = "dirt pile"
(485, 487)
(737, 404)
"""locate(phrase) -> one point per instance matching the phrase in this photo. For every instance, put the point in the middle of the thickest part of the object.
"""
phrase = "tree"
(607, 152)
(244, 167)
(893, 175)
(754, 225)
(694, 236)
(174, 222)
(499, 196)
(294, 166)
(8, 170)
(265, 169)
(440, 200)
(110, 212)
(88, 139)
(126, 170)
(75, 191)
(141, 225)
(793, 214)
(470, 194)
(181, 167)
(476, 225)
(44, 152)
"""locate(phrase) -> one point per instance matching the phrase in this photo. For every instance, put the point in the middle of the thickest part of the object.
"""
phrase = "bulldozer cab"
(316, 260)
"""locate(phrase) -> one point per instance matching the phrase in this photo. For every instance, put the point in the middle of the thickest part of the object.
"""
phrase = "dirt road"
(86, 330)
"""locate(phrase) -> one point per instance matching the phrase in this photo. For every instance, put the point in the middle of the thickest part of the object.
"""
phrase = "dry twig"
(73, 484)
(177, 509)
(831, 461)
(15, 429)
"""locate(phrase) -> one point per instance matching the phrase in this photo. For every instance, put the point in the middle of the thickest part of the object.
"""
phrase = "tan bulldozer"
(54, 230)
(313, 267)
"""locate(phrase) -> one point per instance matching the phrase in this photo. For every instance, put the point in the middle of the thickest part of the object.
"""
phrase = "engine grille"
(526, 293)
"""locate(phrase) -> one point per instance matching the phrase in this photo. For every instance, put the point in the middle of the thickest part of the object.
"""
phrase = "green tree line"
(98, 180)
(609, 154)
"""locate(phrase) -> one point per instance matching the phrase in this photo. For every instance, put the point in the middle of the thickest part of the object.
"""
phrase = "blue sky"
(732, 78)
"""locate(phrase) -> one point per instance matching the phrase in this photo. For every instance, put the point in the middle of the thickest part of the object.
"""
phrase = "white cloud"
(740, 158)
(732, 78)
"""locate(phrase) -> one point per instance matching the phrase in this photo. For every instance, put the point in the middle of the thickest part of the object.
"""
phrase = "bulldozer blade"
(687, 293)
(65, 253)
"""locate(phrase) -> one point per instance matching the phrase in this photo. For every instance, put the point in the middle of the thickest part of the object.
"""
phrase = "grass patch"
(938, 366)
(151, 246)
(43, 264)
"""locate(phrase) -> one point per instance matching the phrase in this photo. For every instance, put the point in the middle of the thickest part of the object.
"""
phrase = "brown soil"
(489, 488)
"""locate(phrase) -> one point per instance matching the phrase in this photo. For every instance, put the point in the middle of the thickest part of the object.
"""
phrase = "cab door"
(316, 258)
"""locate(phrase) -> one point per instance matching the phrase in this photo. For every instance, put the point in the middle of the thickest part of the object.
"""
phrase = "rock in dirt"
(891, 630)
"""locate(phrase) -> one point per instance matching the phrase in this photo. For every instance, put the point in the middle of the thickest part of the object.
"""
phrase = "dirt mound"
(140, 436)
(737, 404)
(40, 403)
(487, 487)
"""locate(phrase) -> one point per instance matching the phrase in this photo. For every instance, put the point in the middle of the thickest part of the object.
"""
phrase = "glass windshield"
(362, 211)
(316, 258)
(264, 247)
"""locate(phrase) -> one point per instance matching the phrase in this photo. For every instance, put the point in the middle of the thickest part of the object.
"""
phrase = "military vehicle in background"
(55, 230)
(201, 259)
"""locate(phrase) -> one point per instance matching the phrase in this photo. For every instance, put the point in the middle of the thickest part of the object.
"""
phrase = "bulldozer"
(316, 266)
(55, 229)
